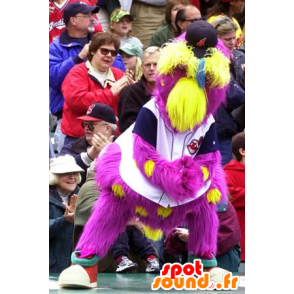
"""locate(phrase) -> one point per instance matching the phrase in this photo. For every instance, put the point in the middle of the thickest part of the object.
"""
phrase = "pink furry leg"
(108, 219)
(203, 228)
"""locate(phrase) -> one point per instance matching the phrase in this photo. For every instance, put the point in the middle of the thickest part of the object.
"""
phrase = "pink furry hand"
(189, 180)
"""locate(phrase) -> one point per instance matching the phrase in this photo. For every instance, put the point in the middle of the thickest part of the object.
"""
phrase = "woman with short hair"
(64, 177)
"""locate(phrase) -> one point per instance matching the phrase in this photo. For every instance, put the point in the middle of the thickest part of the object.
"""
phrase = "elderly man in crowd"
(100, 126)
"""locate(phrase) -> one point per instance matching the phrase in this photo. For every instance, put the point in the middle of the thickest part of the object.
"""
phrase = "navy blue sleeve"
(210, 141)
(146, 126)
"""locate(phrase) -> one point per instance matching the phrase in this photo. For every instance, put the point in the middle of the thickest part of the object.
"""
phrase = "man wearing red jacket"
(235, 174)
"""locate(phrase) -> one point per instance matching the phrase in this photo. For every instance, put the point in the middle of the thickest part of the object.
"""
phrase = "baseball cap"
(116, 16)
(99, 111)
(201, 35)
(64, 164)
(238, 141)
(132, 49)
(74, 8)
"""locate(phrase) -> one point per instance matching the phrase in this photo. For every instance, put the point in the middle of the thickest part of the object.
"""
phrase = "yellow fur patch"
(175, 54)
(214, 196)
(205, 172)
(149, 167)
(141, 210)
(186, 105)
(164, 211)
(217, 69)
(154, 235)
(118, 190)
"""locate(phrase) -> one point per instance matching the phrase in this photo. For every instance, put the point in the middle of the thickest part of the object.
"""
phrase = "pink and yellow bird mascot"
(165, 169)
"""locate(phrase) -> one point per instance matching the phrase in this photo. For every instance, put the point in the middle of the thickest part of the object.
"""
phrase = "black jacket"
(226, 125)
(60, 233)
(131, 100)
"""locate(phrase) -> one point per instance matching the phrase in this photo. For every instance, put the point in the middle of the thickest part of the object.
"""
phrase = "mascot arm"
(212, 170)
(180, 178)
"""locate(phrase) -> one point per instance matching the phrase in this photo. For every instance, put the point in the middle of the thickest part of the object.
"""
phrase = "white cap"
(64, 164)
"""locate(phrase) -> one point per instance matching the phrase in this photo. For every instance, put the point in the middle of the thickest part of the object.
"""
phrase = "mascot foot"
(216, 274)
(82, 274)
(77, 276)
(210, 265)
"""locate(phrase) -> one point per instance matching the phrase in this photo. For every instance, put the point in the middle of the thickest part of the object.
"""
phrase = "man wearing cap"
(69, 49)
(135, 96)
(100, 126)
(56, 22)
(121, 25)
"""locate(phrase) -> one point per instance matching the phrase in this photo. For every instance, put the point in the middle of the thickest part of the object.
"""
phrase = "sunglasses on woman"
(105, 51)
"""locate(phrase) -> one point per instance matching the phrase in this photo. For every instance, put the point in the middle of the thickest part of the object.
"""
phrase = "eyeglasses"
(192, 20)
(85, 15)
(105, 51)
(91, 126)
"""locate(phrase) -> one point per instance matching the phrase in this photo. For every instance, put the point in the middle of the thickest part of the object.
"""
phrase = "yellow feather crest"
(175, 54)
(178, 54)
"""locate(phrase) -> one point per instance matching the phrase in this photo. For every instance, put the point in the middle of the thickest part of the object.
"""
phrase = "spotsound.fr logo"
(191, 277)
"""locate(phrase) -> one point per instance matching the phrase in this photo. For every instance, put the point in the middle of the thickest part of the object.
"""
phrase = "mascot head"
(192, 78)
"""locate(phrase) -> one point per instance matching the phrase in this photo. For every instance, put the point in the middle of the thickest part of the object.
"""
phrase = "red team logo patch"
(90, 109)
(194, 145)
(201, 43)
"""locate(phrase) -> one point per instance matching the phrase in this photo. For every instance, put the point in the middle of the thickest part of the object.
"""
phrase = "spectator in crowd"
(203, 5)
(87, 197)
(132, 55)
(185, 17)
(226, 31)
(100, 126)
(230, 116)
(166, 33)
(228, 246)
(56, 22)
(135, 96)
(148, 17)
(103, 14)
(93, 81)
(235, 174)
(121, 25)
(64, 177)
(65, 52)
(134, 238)
(228, 8)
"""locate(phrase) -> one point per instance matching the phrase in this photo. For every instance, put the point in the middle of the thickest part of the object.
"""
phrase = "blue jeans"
(159, 245)
(230, 260)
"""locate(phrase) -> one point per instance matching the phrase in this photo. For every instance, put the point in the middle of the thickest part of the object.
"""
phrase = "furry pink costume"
(185, 173)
